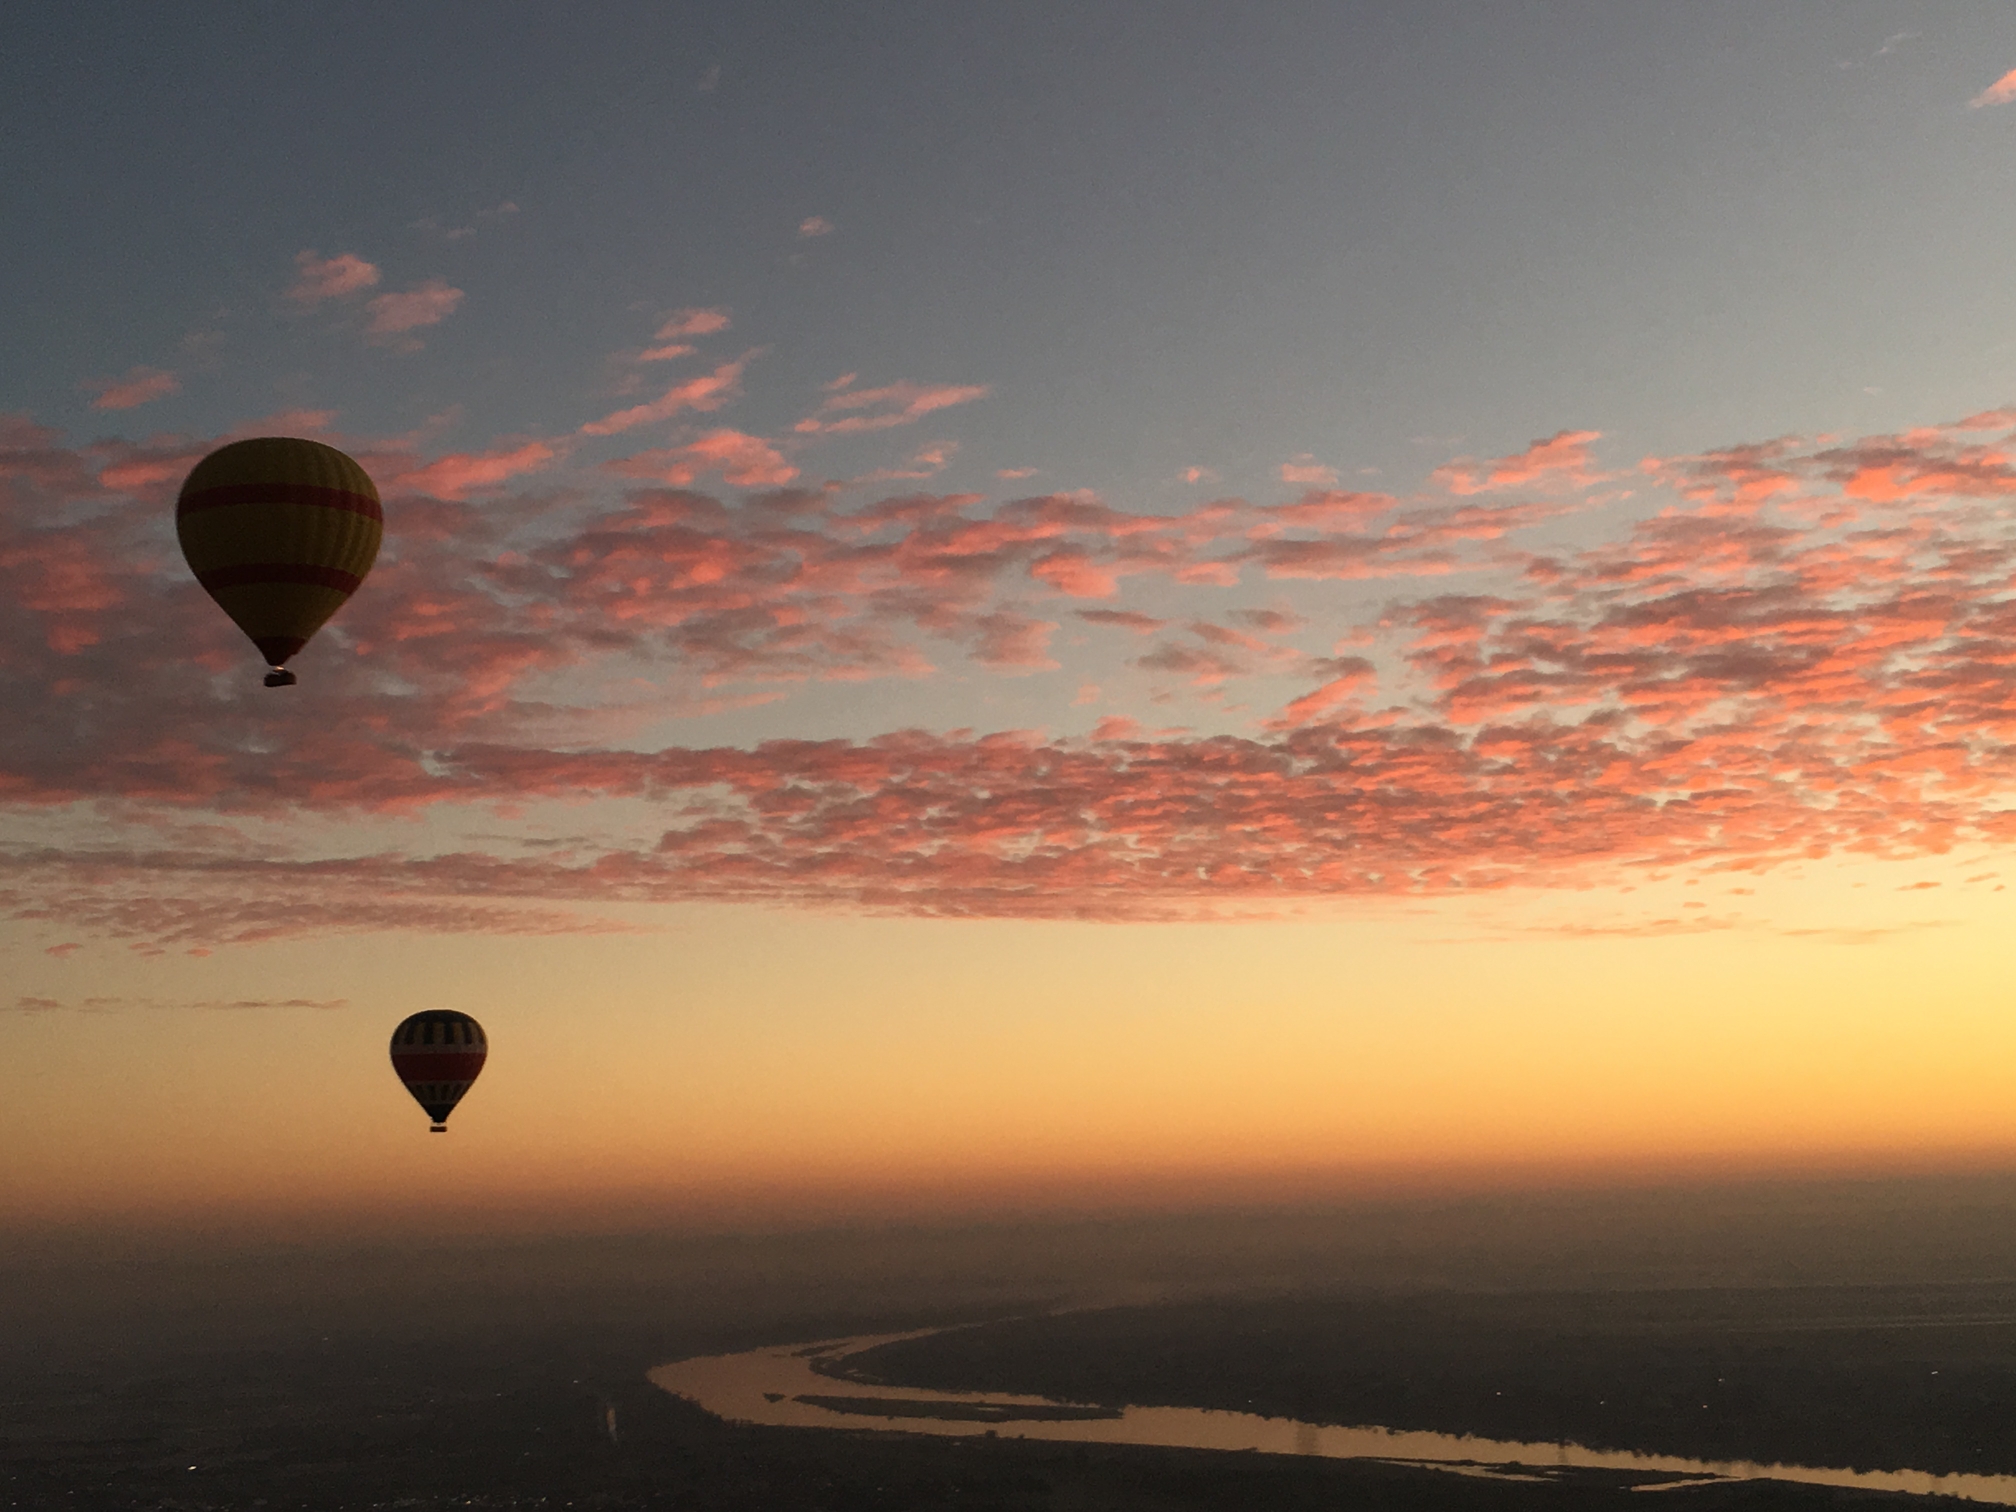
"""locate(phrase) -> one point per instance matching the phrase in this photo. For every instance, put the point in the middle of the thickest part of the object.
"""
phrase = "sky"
(1005, 608)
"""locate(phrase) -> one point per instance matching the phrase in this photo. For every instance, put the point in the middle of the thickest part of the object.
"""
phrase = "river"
(772, 1387)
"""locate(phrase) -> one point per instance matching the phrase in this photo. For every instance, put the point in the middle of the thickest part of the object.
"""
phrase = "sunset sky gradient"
(997, 606)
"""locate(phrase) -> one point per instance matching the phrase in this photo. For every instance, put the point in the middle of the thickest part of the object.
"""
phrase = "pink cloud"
(140, 386)
(708, 392)
(461, 473)
(1012, 642)
(1561, 460)
(318, 278)
(425, 304)
(1350, 680)
(925, 462)
(666, 353)
(814, 225)
(1222, 653)
(1323, 510)
(692, 322)
(1890, 470)
(1307, 470)
(785, 588)
(55, 576)
(206, 906)
(742, 460)
(894, 404)
(1812, 650)
(1075, 574)
(2001, 92)
(1121, 826)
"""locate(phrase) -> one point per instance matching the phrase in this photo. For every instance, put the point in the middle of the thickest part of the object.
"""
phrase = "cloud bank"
(1784, 649)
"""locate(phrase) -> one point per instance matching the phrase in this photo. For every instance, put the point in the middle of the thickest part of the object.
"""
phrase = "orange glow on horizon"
(773, 1066)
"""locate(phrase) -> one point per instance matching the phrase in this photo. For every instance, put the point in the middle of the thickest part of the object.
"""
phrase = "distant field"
(1882, 1378)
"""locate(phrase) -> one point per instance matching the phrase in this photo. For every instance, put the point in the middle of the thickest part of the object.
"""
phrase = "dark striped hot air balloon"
(437, 1054)
(280, 531)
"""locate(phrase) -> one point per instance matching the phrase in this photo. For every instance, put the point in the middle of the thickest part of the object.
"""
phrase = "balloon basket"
(280, 677)
(437, 1128)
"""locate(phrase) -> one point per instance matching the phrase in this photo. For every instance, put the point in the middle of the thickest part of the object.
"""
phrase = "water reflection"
(780, 1387)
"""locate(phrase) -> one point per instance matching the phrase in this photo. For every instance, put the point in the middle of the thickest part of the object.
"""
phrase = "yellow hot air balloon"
(280, 531)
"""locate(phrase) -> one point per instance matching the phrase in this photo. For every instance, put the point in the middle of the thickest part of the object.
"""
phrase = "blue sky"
(1165, 236)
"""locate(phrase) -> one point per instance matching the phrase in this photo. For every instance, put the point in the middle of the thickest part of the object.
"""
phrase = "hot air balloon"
(437, 1054)
(280, 531)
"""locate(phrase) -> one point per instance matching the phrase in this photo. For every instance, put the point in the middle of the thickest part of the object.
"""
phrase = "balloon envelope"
(437, 1055)
(280, 531)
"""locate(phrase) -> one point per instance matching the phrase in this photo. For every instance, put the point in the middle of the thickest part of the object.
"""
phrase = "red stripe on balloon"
(278, 493)
(250, 573)
(436, 1066)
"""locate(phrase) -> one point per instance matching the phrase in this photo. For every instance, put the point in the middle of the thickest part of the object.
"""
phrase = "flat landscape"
(1869, 1378)
(511, 1374)
(365, 1428)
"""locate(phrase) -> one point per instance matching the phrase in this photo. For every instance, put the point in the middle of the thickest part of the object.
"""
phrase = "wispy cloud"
(425, 304)
(814, 225)
(200, 1005)
(141, 385)
(684, 323)
(1306, 469)
(2001, 92)
(742, 460)
(693, 322)
(1562, 460)
(708, 392)
(891, 405)
(318, 278)
(437, 227)
(1123, 619)
(1891, 44)
(460, 473)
